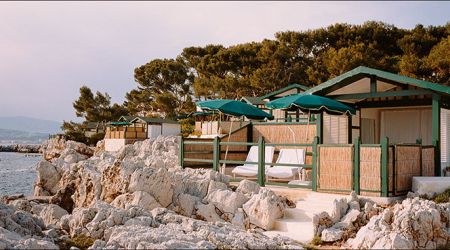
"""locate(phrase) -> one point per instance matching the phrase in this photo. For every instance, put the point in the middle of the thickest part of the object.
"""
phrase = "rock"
(239, 219)
(207, 212)
(47, 177)
(248, 187)
(415, 223)
(339, 209)
(138, 198)
(216, 185)
(227, 201)
(347, 221)
(321, 221)
(331, 234)
(51, 233)
(187, 203)
(354, 205)
(51, 214)
(264, 208)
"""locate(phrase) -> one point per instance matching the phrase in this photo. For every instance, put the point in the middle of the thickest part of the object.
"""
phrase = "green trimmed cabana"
(404, 109)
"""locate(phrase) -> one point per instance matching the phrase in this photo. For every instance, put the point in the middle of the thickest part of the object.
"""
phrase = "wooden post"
(314, 164)
(181, 151)
(436, 134)
(356, 165)
(216, 153)
(261, 161)
(384, 167)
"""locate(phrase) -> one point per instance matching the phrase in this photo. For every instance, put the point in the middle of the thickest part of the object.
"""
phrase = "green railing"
(216, 145)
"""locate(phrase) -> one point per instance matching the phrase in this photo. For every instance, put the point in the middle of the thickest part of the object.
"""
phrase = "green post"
(349, 129)
(261, 161)
(436, 134)
(314, 164)
(356, 179)
(319, 125)
(384, 167)
(216, 153)
(181, 151)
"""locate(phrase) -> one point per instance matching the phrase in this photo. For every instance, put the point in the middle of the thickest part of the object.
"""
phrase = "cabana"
(130, 129)
(400, 130)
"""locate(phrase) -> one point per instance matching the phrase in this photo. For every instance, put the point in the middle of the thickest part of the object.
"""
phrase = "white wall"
(171, 129)
(112, 145)
(153, 131)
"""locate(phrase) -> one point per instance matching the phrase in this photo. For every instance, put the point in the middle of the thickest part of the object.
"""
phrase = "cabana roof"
(279, 91)
(361, 72)
(153, 120)
(253, 100)
(367, 87)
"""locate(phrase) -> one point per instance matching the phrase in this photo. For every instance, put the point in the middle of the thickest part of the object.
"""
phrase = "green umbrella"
(119, 123)
(234, 108)
(311, 103)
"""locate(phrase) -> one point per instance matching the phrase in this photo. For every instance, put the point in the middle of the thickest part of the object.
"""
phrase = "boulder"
(51, 214)
(47, 178)
(331, 234)
(264, 208)
(227, 201)
(207, 212)
(248, 188)
(138, 198)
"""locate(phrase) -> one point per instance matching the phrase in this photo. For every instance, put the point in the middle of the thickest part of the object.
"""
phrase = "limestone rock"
(51, 214)
(207, 212)
(227, 201)
(331, 234)
(248, 187)
(138, 198)
(47, 177)
(264, 208)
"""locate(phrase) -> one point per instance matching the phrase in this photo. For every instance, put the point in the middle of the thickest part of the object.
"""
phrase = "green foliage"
(80, 241)
(187, 126)
(164, 88)
(93, 108)
(443, 197)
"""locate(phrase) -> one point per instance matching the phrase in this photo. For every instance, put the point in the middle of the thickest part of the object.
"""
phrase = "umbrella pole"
(224, 165)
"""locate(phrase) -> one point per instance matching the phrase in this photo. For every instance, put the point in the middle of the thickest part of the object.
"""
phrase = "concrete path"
(297, 222)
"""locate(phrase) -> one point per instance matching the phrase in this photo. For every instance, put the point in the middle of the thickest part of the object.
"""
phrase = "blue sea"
(17, 173)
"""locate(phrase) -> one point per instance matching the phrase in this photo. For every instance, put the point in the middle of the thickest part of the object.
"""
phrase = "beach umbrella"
(312, 104)
(309, 103)
(233, 108)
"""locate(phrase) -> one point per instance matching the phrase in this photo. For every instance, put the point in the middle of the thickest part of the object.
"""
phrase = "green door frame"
(436, 132)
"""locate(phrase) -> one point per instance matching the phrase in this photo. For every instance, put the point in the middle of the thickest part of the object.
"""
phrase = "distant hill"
(9, 136)
(28, 124)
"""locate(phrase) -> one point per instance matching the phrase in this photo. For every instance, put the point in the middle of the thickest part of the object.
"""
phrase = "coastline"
(21, 148)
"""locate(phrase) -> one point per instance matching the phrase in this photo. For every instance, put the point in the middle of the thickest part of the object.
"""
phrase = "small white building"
(131, 129)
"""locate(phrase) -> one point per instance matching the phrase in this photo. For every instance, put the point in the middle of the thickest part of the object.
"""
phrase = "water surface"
(17, 173)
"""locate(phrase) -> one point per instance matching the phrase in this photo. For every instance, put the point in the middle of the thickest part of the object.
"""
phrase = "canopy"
(234, 108)
(311, 103)
(119, 123)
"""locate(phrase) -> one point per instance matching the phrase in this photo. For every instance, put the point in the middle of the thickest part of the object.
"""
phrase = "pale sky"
(48, 50)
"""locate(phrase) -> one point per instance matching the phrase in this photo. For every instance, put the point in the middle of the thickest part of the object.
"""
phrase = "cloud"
(49, 49)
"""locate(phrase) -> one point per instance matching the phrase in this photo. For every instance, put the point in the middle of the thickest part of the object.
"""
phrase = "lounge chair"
(289, 156)
(250, 170)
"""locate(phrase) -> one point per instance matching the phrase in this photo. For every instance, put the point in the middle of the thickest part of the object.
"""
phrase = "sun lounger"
(289, 156)
(252, 169)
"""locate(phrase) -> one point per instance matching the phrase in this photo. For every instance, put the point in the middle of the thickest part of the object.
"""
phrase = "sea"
(17, 173)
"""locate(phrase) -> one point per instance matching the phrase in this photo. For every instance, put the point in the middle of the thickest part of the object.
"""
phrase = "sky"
(48, 50)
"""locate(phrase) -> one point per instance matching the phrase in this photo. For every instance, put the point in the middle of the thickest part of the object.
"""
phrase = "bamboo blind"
(407, 165)
(370, 170)
(428, 161)
(335, 168)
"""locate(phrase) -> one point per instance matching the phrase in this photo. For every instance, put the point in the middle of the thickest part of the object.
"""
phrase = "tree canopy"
(167, 87)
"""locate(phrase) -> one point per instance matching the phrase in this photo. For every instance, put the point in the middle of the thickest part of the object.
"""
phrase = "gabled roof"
(153, 120)
(127, 118)
(381, 75)
(253, 100)
(289, 87)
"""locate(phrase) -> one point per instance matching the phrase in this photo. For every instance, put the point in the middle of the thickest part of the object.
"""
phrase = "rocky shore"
(21, 148)
(415, 223)
(137, 197)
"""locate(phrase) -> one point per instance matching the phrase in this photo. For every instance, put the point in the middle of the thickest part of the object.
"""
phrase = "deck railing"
(216, 160)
